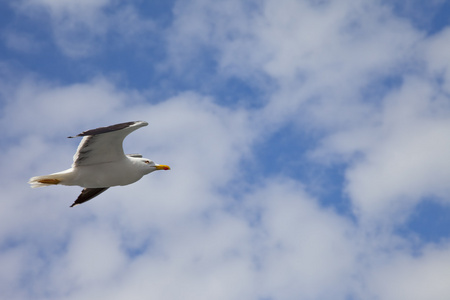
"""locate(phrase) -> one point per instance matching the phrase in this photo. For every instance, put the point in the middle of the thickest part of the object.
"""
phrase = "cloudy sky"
(309, 143)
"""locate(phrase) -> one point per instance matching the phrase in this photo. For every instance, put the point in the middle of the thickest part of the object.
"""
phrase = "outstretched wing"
(87, 194)
(104, 144)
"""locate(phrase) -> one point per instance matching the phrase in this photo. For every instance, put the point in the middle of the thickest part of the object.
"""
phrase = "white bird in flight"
(100, 162)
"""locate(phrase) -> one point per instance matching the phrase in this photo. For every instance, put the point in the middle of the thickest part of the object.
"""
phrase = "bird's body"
(100, 162)
(123, 172)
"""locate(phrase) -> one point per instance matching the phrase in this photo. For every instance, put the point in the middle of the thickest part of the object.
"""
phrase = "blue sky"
(308, 142)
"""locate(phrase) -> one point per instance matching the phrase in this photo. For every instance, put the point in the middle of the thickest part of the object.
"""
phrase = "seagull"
(100, 162)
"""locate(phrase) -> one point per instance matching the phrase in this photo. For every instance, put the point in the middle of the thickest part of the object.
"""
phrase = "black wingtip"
(87, 194)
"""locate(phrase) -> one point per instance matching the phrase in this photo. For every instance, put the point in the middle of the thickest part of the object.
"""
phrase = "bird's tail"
(46, 180)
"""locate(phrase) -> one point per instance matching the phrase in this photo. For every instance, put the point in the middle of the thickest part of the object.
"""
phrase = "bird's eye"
(147, 161)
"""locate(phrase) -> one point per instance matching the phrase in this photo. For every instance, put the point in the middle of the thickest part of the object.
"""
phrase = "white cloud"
(59, 107)
(400, 156)
(414, 277)
(297, 243)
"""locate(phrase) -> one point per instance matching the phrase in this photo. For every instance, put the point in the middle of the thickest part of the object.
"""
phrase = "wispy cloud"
(82, 29)
(21, 42)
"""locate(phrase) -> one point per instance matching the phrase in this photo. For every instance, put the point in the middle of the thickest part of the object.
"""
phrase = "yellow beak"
(162, 167)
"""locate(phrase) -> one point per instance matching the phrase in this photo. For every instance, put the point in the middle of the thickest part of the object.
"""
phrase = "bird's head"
(151, 166)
